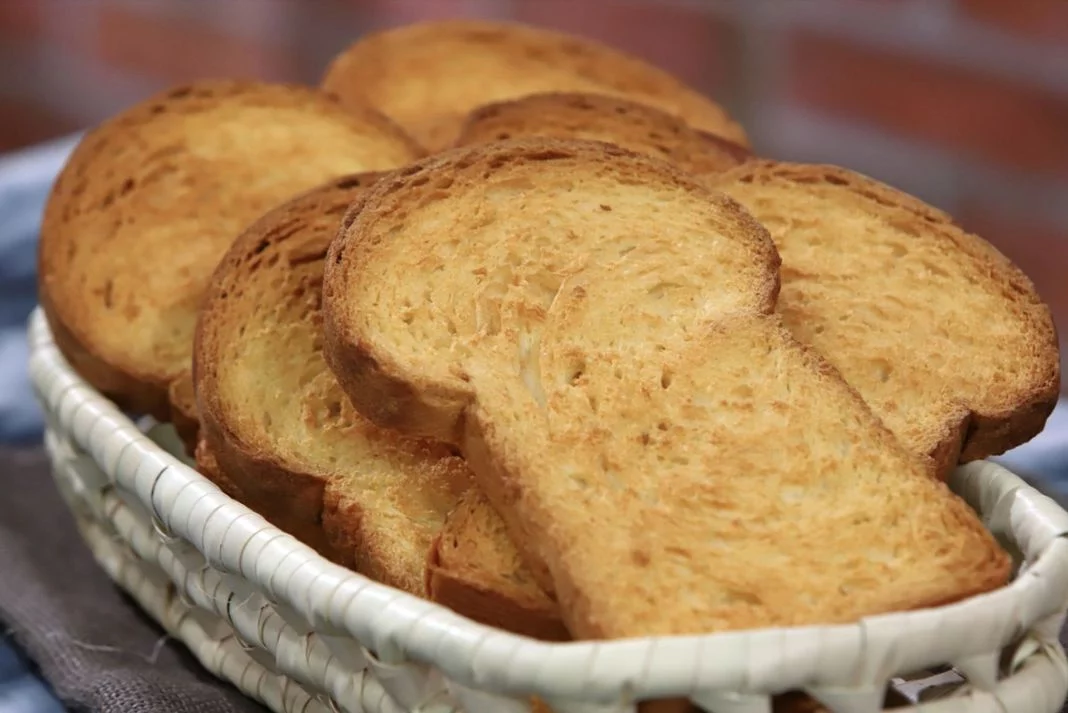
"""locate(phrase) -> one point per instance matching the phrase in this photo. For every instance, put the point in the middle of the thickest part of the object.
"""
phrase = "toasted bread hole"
(575, 372)
(109, 288)
(180, 92)
(350, 182)
(645, 438)
(835, 180)
(899, 250)
(883, 370)
(666, 377)
(333, 408)
(736, 596)
(548, 155)
(126, 186)
(743, 391)
(605, 207)
(662, 426)
(503, 136)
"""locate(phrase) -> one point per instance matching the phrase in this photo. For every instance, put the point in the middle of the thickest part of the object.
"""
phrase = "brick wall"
(963, 102)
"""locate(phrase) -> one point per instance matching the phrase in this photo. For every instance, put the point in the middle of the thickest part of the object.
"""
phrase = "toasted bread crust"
(125, 251)
(285, 494)
(383, 390)
(250, 305)
(984, 417)
(428, 76)
(446, 343)
(633, 126)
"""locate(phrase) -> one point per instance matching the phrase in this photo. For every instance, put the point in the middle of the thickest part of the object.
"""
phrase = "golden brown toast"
(633, 126)
(428, 76)
(276, 422)
(474, 568)
(946, 340)
(152, 198)
(595, 330)
(279, 434)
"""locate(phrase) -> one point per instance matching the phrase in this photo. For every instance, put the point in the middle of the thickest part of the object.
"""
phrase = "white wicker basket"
(262, 610)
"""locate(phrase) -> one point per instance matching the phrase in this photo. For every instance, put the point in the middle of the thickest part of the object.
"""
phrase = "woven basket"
(300, 634)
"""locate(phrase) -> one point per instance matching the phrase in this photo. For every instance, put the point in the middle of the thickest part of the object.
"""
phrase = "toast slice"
(946, 340)
(151, 199)
(633, 126)
(596, 332)
(278, 433)
(428, 76)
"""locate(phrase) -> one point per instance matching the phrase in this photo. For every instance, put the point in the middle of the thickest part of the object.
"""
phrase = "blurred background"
(961, 102)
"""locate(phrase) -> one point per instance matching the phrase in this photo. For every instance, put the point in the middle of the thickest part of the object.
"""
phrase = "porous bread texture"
(622, 122)
(152, 198)
(428, 76)
(596, 331)
(943, 336)
(279, 426)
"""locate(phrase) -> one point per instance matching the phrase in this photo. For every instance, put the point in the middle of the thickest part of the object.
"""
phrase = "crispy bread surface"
(633, 126)
(151, 199)
(428, 76)
(946, 340)
(595, 330)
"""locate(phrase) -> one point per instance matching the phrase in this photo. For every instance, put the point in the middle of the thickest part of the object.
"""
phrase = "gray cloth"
(93, 645)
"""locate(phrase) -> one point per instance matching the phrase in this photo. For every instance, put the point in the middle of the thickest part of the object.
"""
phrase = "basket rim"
(405, 627)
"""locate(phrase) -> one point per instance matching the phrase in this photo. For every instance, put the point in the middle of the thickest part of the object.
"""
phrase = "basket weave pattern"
(262, 610)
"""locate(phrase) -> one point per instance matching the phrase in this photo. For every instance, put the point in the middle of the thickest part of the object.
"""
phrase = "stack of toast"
(516, 322)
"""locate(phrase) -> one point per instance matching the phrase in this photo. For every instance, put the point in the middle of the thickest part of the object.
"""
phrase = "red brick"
(21, 18)
(684, 39)
(24, 123)
(1043, 20)
(975, 114)
(176, 49)
(1040, 250)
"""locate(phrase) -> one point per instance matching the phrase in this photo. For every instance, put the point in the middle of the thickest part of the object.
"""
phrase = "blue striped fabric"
(24, 182)
(25, 179)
